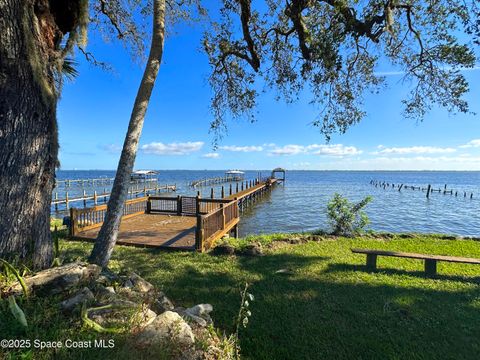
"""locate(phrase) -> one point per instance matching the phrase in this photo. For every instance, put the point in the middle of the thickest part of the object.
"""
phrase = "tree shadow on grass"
(336, 312)
(311, 316)
(413, 273)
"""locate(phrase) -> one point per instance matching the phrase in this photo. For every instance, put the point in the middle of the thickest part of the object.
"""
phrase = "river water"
(300, 204)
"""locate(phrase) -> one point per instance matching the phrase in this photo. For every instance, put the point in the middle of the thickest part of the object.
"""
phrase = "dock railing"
(215, 217)
(215, 224)
(91, 218)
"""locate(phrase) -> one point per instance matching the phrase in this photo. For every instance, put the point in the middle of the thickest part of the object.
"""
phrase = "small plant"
(242, 318)
(346, 218)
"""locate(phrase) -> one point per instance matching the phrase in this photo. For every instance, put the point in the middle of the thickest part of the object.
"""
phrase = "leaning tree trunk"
(107, 236)
(28, 130)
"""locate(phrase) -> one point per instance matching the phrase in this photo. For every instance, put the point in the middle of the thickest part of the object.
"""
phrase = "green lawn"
(329, 307)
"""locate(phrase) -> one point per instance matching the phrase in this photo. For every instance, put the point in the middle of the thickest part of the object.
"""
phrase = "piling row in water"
(429, 189)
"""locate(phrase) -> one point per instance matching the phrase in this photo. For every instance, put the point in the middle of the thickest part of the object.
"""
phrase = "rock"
(123, 312)
(104, 294)
(59, 279)
(190, 317)
(223, 249)
(138, 283)
(107, 278)
(253, 250)
(84, 295)
(162, 304)
(200, 309)
(168, 327)
(199, 314)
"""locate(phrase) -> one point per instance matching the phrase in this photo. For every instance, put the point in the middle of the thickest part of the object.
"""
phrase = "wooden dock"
(181, 222)
(216, 180)
(67, 183)
(99, 197)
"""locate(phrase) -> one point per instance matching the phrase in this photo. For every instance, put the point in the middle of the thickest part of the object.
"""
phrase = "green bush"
(346, 218)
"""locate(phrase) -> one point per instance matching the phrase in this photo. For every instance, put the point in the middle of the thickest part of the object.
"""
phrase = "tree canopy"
(334, 48)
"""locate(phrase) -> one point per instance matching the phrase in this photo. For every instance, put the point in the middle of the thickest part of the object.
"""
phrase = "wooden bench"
(430, 260)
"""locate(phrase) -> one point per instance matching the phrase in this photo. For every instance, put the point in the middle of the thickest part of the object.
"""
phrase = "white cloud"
(212, 155)
(158, 148)
(471, 144)
(316, 149)
(288, 150)
(334, 150)
(241, 148)
(414, 150)
(111, 148)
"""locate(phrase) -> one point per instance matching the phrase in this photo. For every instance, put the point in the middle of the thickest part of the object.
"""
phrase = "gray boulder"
(84, 295)
(168, 327)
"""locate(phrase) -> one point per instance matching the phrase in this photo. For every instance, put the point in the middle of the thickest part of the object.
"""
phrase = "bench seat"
(430, 260)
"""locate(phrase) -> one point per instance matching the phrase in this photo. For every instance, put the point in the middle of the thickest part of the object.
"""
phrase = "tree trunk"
(107, 236)
(28, 131)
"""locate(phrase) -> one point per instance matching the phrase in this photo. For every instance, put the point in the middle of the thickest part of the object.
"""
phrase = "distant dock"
(97, 197)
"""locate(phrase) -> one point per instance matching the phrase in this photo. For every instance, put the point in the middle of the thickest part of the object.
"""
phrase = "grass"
(327, 307)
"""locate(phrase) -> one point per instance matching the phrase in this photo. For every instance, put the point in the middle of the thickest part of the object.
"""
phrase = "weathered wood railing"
(215, 217)
(215, 224)
(91, 218)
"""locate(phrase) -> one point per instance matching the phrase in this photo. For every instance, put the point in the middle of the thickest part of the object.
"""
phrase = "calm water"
(300, 205)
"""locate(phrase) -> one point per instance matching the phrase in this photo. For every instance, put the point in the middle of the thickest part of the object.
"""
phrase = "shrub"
(346, 218)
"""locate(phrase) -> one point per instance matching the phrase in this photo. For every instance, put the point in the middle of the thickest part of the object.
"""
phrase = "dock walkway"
(168, 222)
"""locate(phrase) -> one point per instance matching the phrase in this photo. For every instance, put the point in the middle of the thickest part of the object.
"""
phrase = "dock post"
(236, 188)
(197, 204)
(199, 234)
(230, 189)
(428, 190)
(223, 192)
(223, 215)
(235, 232)
(95, 197)
(71, 230)
(148, 210)
(212, 194)
(179, 205)
(84, 198)
(66, 199)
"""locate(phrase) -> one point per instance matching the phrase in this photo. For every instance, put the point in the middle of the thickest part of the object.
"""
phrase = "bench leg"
(430, 267)
(371, 262)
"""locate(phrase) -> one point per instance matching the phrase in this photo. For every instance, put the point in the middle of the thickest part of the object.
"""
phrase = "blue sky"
(94, 112)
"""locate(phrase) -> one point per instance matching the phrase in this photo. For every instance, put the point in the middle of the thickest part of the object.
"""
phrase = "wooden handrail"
(213, 225)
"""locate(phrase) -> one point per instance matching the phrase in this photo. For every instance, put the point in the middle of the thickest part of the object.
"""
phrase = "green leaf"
(16, 311)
